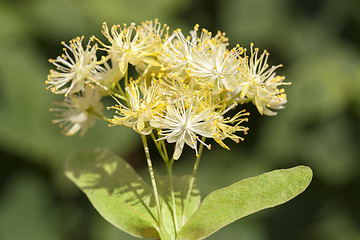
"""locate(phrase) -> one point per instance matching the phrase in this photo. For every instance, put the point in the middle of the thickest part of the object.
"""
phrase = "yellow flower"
(226, 127)
(178, 86)
(260, 83)
(126, 48)
(155, 30)
(176, 51)
(73, 70)
(143, 102)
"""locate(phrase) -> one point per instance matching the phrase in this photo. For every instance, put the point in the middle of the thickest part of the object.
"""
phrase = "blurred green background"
(317, 41)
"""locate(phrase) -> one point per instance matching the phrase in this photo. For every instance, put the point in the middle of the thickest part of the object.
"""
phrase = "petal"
(150, 61)
(140, 124)
(74, 129)
(123, 65)
(190, 139)
(156, 123)
(221, 143)
(178, 148)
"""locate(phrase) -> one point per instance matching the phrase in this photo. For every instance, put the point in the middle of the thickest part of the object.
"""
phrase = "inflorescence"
(185, 89)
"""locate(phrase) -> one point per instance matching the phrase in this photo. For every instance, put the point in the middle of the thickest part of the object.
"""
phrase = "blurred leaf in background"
(317, 41)
(41, 219)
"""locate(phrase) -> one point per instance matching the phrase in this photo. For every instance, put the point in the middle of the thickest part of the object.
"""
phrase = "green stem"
(245, 100)
(169, 168)
(152, 177)
(118, 95)
(91, 111)
(119, 88)
(158, 146)
(242, 100)
(165, 151)
(192, 180)
(126, 77)
(111, 92)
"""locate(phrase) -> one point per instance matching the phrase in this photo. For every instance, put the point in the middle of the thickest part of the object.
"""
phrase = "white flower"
(177, 49)
(261, 83)
(182, 121)
(79, 112)
(217, 65)
(73, 70)
(176, 52)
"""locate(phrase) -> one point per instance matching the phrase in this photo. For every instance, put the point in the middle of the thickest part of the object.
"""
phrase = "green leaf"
(115, 190)
(181, 185)
(240, 199)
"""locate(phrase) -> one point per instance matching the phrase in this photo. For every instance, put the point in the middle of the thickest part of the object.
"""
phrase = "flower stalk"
(191, 182)
(152, 178)
(172, 192)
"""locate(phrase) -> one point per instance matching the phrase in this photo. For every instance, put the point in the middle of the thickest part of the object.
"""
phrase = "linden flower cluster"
(187, 89)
